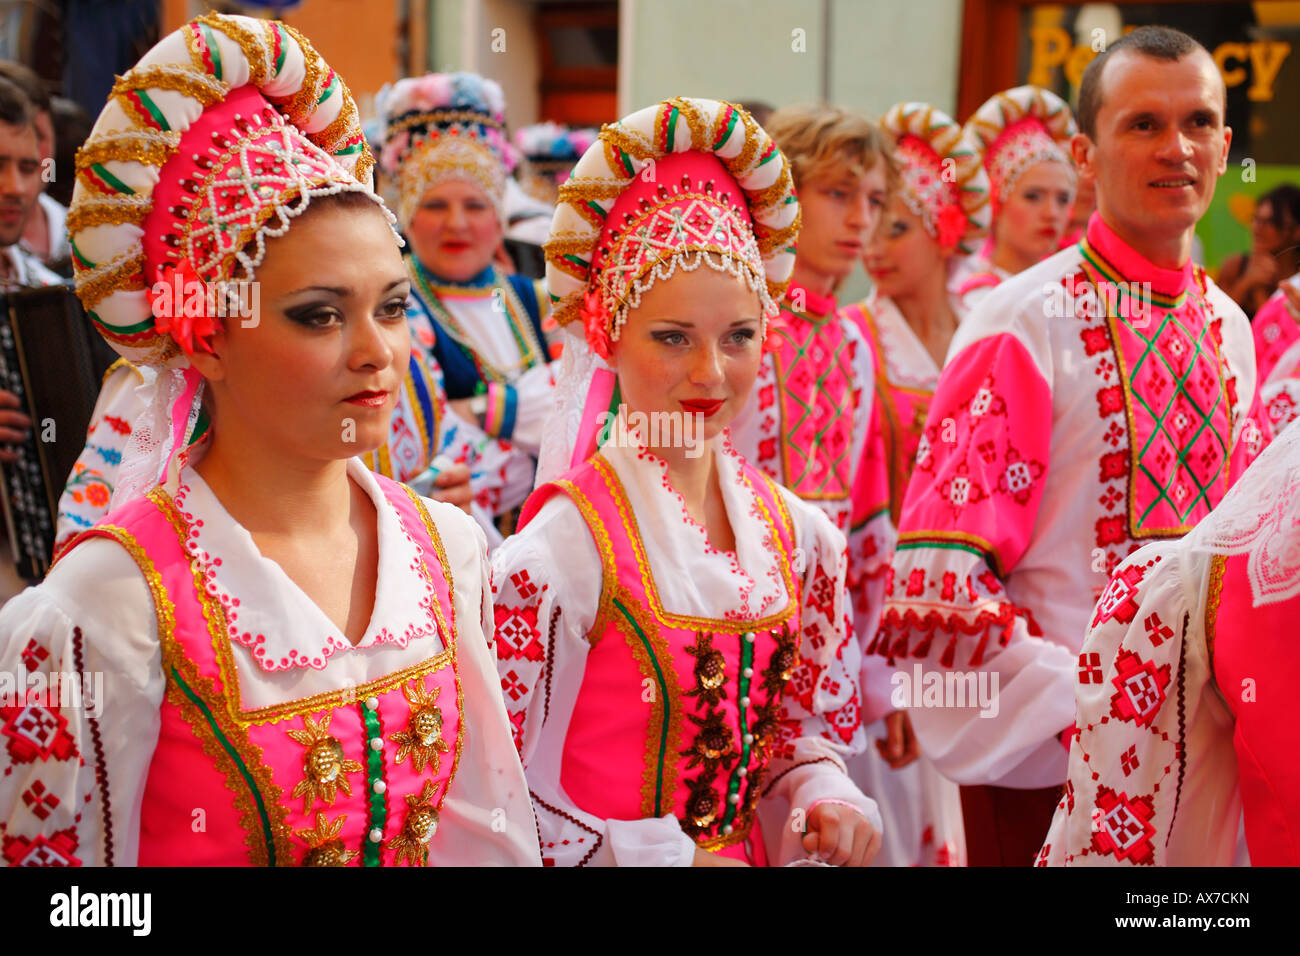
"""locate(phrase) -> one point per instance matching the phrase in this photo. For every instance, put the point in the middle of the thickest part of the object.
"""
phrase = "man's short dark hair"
(15, 108)
(1159, 43)
(27, 81)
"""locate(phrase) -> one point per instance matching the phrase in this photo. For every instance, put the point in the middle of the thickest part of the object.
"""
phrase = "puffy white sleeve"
(487, 818)
(1153, 773)
(80, 721)
(821, 715)
(547, 583)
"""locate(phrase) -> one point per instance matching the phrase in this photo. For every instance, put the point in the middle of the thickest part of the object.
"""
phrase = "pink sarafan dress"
(666, 694)
(1186, 710)
(235, 726)
(921, 809)
(1114, 408)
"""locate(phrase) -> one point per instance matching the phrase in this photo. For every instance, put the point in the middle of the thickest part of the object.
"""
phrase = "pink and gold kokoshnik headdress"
(685, 183)
(212, 144)
(1017, 128)
(942, 180)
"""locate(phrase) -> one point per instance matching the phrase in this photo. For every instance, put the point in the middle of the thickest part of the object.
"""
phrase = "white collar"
(694, 578)
(271, 621)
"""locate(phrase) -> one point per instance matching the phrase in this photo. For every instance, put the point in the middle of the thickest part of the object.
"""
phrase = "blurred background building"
(585, 63)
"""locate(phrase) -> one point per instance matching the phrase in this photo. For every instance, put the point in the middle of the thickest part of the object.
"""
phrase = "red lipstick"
(706, 407)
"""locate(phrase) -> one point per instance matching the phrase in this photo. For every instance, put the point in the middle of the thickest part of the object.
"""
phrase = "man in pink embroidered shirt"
(1101, 399)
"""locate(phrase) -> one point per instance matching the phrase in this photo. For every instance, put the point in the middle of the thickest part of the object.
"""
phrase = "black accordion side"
(52, 358)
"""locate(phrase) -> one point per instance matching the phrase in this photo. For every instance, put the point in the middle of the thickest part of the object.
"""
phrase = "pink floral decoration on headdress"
(950, 226)
(595, 320)
(190, 332)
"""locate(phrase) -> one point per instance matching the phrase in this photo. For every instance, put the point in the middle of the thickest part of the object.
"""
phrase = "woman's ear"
(211, 364)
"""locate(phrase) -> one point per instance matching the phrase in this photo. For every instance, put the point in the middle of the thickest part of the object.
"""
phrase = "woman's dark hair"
(1284, 201)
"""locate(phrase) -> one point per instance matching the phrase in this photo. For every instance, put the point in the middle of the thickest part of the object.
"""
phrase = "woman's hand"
(899, 746)
(452, 486)
(705, 858)
(841, 835)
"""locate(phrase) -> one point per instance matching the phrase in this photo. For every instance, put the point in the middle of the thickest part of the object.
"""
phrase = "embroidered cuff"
(502, 405)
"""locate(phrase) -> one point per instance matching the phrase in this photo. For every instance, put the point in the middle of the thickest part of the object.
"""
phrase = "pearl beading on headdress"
(261, 176)
(683, 227)
(1017, 128)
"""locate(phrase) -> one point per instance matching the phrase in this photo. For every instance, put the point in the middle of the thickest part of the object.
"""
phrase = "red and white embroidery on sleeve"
(970, 509)
(1127, 757)
(50, 758)
(523, 652)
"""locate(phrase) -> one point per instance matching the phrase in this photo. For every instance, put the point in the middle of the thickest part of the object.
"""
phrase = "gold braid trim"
(145, 146)
(204, 87)
(761, 199)
(302, 104)
(192, 35)
(769, 240)
(332, 136)
(256, 49)
(365, 163)
(630, 142)
(569, 243)
(740, 165)
(694, 122)
(110, 212)
(102, 281)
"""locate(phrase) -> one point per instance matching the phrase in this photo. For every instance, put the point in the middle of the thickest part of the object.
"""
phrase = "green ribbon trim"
(210, 39)
(378, 801)
(153, 109)
(615, 400)
(111, 180)
(279, 57)
(733, 786)
(238, 761)
(329, 88)
(663, 695)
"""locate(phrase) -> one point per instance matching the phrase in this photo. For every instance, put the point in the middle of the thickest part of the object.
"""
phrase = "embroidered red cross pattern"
(513, 685)
(1125, 829)
(1090, 669)
(1157, 631)
(34, 655)
(1129, 760)
(39, 800)
(1140, 689)
(523, 584)
(1119, 600)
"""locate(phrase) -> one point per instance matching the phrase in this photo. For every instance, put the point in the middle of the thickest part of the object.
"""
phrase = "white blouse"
(551, 572)
(98, 597)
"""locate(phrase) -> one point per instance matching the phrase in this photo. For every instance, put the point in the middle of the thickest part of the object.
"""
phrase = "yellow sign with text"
(1257, 62)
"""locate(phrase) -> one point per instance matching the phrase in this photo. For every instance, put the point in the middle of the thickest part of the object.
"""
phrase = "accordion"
(52, 358)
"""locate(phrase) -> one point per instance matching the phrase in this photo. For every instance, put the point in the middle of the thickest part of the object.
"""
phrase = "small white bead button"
(376, 743)
(749, 738)
(376, 835)
(749, 672)
(734, 798)
(744, 702)
(380, 786)
(372, 703)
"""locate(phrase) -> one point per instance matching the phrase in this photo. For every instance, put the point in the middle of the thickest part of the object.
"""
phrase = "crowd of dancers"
(670, 558)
